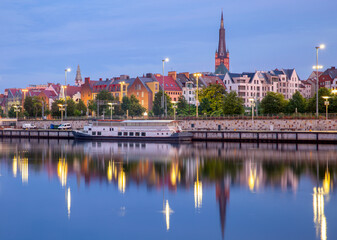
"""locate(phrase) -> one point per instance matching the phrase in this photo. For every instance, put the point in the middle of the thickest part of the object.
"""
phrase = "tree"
(298, 102)
(55, 110)
(157, 108)
(273, 103)
(215, 94)
(11, 112)
(28, 106)
(81, 108)
(312, 101)
(71, 107)
(205, 106)
(102, 100)
(133, 106)
(233, 104)
(37, 106)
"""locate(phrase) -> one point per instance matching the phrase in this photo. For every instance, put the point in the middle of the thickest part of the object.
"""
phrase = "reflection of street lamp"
(252, 102)
(62, 108)
(326, 103)
(197, 75)
(163, 103)
(322, 46)
(65, 90)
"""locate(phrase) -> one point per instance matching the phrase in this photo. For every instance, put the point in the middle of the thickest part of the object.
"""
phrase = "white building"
(256, 85)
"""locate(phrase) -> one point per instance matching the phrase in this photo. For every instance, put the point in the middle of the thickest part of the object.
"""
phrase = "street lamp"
(16, 110)
(322, 46)
(252, 103)
(326, 103)
(111, 107)
(145, 115)
(62, 108)
(163, 103)
(197, 75)
(174, 111)
(65, 90)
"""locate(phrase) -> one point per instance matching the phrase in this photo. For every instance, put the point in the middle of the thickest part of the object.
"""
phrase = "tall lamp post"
(326, 103)
(197, 75)
(163, 103)
(16, 110)
(62, 109)
(322, 46)
(111, 107)
(65, 90)
(252, 103)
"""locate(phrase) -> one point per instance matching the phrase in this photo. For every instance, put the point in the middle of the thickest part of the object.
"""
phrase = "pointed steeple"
(221, 25)
(78, 79)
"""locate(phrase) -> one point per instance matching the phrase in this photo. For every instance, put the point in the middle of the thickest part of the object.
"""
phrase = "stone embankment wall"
(45, 124)
(264, 125)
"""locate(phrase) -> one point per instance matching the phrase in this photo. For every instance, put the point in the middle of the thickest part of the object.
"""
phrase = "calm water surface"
(69, 190)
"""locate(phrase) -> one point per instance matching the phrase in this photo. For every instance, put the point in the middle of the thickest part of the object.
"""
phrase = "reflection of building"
(222, 196)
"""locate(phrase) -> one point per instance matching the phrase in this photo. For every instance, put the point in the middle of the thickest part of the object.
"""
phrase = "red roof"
(49, 93)
(170, 84)
(34, 93)
(212, 80)
(72, 90)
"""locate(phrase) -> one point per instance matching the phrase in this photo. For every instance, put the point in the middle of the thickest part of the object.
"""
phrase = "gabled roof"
(331, 72)
(208, 80)
(145, 80)
(221, 69)
(170, 84)
(72, 90)
(34, 93)
(49, 93)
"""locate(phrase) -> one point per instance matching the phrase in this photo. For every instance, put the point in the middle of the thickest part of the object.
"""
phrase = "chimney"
(87, 80)
(100, 79)
(187, 74)
(173, 74)
(149, 75)
(333, 68)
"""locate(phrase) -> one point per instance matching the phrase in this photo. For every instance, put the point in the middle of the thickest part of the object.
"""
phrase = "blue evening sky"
(107, 38)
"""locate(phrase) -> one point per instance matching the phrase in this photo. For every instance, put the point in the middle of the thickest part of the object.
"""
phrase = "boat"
(134, 130)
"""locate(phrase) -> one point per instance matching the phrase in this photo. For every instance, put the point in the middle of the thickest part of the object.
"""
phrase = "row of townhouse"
(145, 88)
(256, 85)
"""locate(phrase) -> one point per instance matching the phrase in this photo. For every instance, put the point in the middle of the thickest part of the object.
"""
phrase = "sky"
(40, 38)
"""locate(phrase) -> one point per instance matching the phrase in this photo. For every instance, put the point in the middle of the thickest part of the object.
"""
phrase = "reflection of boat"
(137, 130)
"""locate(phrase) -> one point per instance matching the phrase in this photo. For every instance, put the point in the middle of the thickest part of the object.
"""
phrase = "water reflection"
(199, 167)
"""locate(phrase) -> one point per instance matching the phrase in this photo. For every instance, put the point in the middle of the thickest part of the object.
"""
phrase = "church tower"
(222, 54)
(78, 79)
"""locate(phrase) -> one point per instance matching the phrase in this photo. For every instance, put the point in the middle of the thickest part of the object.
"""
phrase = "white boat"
(138, 130)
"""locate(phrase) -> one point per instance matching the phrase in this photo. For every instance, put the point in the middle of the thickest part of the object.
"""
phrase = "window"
(156, 86)
(99, 133)
(137, 134)
(131, 134)
(142, 102)
(119, 133)
(94, 133)
(89, 129)
(143, 134)
(125, 133)
(124, 87)
(137, 94)
(192, 125)
(111, 129)
(142, 94)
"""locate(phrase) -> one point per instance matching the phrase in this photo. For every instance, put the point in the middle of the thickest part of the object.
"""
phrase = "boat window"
(99, 133)
(162, 133)
(166, 133)
(143, 134)
(103, 129)
(125, 133)
(192, 125)
(111, 129)
(89, 129)
(157, 133)
(119, 133)
(130, 133)
(94, 133)
(137, 134)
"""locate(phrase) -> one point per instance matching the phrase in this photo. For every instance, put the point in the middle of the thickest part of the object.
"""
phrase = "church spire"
(222, 54)
(221, 25)
(78, 79)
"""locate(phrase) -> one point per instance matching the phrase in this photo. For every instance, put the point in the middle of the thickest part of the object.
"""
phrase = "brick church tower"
(222, 54)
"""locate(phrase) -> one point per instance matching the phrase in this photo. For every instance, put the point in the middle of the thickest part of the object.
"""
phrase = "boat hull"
(176, 137)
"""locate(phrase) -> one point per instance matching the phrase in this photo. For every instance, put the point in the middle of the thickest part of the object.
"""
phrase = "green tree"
(37, 106)
(102, 100)
(81, 108)
(298, 102)
(205, 106)
(11, 112)
(233, 104)
(55, 109)
(273, 103)
(133, 106)
(215, 94)
(71, 107)
(157, 108)
(28, 106)
(312, 101)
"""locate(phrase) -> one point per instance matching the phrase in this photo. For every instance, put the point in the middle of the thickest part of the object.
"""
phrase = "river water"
(103, 190)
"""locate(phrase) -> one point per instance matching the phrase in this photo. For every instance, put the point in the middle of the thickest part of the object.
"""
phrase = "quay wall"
(229, 124)
(45, 124)
(262, 125)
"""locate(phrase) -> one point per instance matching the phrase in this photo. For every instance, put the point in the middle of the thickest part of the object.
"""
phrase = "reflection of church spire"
(222, 196)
